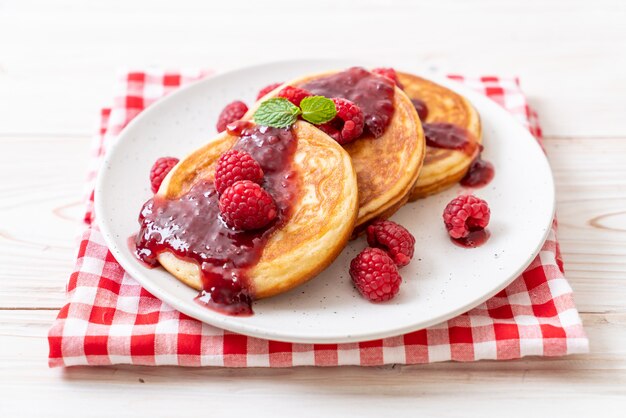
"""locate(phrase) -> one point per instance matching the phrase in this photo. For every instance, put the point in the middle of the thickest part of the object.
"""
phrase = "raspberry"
(375, 275)
(464, 214)
(231, 113)
(236, 165)
(389, 73)
(347, 125)
(245, 205)
(394, 239)
(159, 170)
(294, 94)
(267, 89)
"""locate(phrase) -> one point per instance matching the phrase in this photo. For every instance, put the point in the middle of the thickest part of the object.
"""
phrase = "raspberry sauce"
(480, 173)
(371, 92)
(449, 136)
(421, 108)
(473, 240)
(190, 226)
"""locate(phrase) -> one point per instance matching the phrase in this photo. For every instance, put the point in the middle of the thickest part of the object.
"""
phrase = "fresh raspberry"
(159, 170)
(347, 125)
(394, 239)
(245, 205)
(267, 89)
(375, 275)
(231, 113)
(236, 165)
(294, 94)
(464, 214)
(389, 73)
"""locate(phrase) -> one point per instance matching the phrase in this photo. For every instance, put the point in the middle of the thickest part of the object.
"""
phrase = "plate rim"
(222, 321)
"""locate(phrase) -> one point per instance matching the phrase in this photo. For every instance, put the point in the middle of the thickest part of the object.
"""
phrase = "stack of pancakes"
(343, 189)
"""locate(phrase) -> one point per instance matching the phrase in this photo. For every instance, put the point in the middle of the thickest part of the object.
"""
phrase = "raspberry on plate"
(236, 165)
(159, 170)
(392, 238)
(465, 214)
(267, 89)
(347, 125)
(246, 206)
(294, 94)
(390, 73)
(375, 275)
(231, 113)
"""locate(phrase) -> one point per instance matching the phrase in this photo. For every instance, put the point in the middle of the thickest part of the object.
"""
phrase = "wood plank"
(590, 176)
(564, 51)
(41, 211)
(45, 216)
(536, 386)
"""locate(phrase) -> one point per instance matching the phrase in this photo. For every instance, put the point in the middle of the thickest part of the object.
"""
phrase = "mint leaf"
(318, 109)
(277, 113)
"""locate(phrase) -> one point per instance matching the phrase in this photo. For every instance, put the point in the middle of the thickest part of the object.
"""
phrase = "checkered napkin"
(111, 319)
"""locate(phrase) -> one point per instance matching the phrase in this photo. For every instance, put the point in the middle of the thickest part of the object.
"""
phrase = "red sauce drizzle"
(421, 108)
(473, 240)
(449, 136)
(190, 226)
(480, 173)
(371, 92)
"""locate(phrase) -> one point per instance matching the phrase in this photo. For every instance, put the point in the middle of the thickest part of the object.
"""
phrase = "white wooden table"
(57, 62)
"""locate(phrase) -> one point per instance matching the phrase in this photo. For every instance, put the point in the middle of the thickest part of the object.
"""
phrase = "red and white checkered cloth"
(111, 319)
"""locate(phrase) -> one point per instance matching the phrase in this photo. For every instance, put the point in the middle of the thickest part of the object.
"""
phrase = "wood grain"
(41, 215)
(566, 52)
(590, 176)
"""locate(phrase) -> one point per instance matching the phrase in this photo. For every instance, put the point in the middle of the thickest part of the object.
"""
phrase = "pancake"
(387, 167)
(443, 167)
(321, 219)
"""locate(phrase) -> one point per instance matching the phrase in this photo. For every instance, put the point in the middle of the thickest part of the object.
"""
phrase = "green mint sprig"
(278, 112)
(318, 109)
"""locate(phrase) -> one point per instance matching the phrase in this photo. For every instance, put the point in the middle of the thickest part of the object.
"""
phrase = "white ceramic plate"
(443, 280)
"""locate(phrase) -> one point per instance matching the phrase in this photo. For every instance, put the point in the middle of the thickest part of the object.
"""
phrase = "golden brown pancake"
(321, 221)
(386, 167)
(442, 167)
